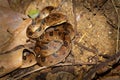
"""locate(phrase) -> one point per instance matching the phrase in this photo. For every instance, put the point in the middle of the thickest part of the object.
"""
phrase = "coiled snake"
(53, 35)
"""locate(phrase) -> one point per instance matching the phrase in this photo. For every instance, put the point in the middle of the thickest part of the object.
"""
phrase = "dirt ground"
(95, 24)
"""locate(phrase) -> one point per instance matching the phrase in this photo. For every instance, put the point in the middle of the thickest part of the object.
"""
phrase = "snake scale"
(53, 35)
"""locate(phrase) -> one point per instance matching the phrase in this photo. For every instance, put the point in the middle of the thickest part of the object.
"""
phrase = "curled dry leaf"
(10, 61)
(13, 34)
(13, 59)
(8, 21)
(28, 59)
(19, 37)
(11, 24)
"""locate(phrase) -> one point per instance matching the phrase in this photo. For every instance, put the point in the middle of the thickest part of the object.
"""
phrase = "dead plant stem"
(118, 24)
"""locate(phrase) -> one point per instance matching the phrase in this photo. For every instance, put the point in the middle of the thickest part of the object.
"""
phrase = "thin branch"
(45, 67)
(74, 13)
(118, 34)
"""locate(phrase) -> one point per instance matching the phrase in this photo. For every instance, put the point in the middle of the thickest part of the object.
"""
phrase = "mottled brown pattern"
(54, 40)
(51, 34)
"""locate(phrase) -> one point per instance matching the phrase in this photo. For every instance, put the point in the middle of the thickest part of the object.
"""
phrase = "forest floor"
(94, 45)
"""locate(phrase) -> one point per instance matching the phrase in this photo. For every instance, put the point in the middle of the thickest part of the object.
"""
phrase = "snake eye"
(42, 22)
(30, 33)
(55, 55)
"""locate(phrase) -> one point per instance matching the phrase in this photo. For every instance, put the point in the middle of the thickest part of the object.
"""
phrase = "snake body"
(53, 35)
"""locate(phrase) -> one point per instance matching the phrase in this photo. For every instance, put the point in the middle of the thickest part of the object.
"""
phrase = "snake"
(53, 35)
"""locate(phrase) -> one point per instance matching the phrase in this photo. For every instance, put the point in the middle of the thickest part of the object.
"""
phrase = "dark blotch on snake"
(51, 33)
(56, 29)
(55, 55)
(43, 47)
(43, 59)
(65, 43)
(30, 33)
(65, 33)
(59, 33)
(41, 37)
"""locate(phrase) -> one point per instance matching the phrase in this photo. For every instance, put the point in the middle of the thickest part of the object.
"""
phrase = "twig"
(102, 67)
(60, 5)
(74, 13)
(86, 48)
(110, 22)
(90, 10)
(14, 49)
(117, 45)
(45, 67)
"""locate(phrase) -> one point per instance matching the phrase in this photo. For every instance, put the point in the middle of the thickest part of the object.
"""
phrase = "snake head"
(34, 30)
(46, 11)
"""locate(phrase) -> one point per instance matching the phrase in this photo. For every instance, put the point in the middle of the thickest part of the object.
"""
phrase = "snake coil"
(53, 35)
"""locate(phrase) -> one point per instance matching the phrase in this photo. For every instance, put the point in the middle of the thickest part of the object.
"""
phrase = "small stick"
(74, 13)
(57, 65)
(86, 48)
(117, 45)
